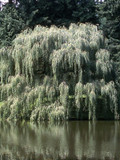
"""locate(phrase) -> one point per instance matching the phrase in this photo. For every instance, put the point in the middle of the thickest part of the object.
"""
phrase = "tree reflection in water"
(62, 141)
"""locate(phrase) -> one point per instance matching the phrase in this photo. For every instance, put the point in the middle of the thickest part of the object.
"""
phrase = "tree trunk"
(10, 1)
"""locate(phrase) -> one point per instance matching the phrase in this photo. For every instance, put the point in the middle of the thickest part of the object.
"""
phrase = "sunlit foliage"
(47, 66)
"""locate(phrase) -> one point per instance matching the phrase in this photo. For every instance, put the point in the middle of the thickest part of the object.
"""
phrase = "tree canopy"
(55, 70)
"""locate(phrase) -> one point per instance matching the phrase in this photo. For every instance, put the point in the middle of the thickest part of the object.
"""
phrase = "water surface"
(74, 140)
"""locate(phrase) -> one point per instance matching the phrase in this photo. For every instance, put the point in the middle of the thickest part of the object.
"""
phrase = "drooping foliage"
(109, 20)
(49, 71)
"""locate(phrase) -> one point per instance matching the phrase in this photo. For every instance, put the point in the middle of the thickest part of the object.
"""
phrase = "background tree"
(11, 24)
(109, 19)
(85, 11)
(19, 14)
(57, 12)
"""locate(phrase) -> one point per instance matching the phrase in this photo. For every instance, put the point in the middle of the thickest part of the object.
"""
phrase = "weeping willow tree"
(49, 71)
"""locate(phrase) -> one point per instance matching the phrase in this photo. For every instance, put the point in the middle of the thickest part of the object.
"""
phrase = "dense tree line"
(20, 15)
(23, 14)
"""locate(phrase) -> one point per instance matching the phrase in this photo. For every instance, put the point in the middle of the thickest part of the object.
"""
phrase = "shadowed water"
(75, 140)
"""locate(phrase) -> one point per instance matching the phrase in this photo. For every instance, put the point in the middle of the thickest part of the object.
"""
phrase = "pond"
(73, 140)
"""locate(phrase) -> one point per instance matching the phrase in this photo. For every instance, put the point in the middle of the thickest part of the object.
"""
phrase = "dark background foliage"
(18, 15)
